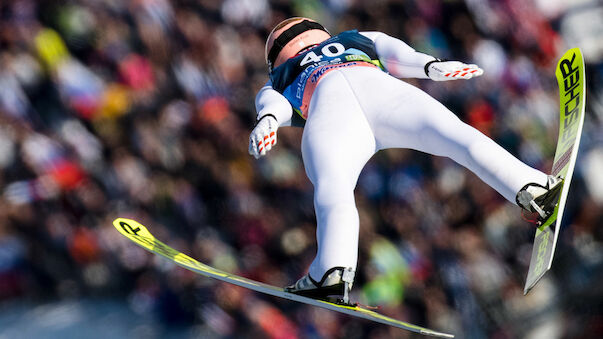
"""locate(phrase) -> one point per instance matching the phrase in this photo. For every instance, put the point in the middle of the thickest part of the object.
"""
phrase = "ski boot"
(335, 285)
(539, 199)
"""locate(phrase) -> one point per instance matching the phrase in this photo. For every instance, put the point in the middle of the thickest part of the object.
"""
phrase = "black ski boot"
(539, 199)
(335, 285)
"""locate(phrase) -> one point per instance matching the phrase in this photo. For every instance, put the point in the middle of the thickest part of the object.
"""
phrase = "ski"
(142, 237)
(572, 96)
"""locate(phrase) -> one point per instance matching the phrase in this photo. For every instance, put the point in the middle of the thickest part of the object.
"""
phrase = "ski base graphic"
(572, 96)
(142, 237)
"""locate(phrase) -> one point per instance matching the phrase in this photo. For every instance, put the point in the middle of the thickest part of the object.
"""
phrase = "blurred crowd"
(143, 108)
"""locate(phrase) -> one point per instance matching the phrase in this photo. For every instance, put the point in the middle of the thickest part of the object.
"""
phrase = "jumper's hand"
(263, 136)
(451, 70)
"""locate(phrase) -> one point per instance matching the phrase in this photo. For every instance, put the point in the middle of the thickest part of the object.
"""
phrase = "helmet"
(291, 36)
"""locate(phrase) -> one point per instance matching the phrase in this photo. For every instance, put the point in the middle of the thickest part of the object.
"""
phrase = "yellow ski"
(572, 96)
(142, 237)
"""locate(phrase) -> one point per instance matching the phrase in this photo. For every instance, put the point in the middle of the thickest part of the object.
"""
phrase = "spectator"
(143, 109)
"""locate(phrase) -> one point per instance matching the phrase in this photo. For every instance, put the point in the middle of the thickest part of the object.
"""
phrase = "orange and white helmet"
(291, 36)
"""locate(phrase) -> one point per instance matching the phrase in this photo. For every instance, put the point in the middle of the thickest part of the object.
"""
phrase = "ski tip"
(122, 224)
(437, 334)
(126, 220)
(570, 53)
(118, 220)
(130, 228)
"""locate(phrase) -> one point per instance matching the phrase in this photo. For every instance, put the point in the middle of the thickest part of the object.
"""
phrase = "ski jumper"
(340, 90)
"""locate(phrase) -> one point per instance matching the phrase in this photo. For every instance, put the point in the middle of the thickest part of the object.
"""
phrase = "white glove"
(439, 70)
(263, 136)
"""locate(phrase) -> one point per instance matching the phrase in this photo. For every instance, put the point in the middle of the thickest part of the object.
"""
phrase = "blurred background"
(143, 108)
